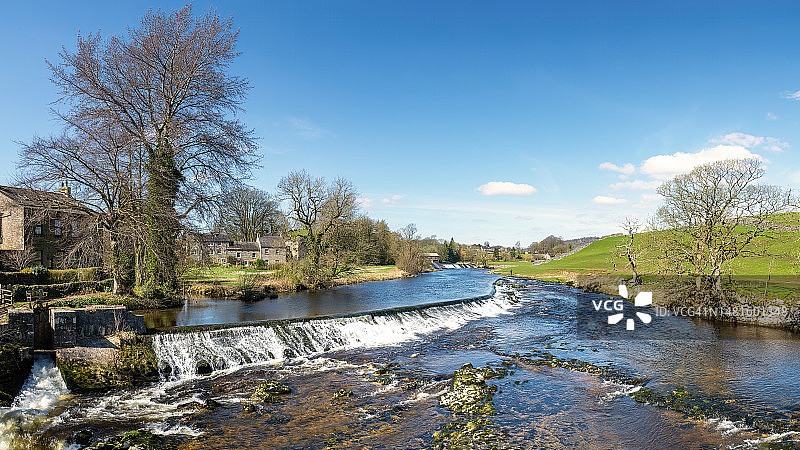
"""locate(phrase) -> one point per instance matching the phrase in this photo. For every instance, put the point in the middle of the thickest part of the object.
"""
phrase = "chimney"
(65, 189)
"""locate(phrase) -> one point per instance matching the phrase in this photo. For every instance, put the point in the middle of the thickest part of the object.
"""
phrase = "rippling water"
(396, 406)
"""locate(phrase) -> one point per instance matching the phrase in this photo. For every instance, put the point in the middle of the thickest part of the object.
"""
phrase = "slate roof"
(244, 246)
(215, 237)
(271, 242)
(41, 199)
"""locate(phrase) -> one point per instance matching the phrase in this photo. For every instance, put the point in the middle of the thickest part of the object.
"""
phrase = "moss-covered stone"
(270, 391)
(342, 393)
(469, 397)
(84, 376)
(137, 359)
(468, 392)
(89, 369)
(141, 440)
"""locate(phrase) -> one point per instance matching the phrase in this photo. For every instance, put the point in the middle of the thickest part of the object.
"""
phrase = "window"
(277, 252)
(254, 255)
(57, 227)
(38, 228)
(238, 254)
(266, 251)
(74, 228)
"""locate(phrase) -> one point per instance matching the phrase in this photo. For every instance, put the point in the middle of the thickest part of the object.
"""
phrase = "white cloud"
(364, 202)
(750, 141)
(307, 130)
(393, 199)
(664, 167)
(506, 188)
(626, 169)
(608, 200)
(772, 116)
(792, 95)
(637, 185)
(648, 201)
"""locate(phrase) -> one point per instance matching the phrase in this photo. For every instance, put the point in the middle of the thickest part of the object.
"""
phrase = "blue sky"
(482, 121)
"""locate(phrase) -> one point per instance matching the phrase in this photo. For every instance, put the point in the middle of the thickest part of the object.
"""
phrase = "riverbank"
(766, 294)
(226, 282)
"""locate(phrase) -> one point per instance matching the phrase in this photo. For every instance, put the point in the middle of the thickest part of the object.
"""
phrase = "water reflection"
(426, 288)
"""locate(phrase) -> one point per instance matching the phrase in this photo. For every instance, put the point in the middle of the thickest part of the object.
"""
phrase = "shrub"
(63, 276)
(259, 264)
(40, 271)
(61, 290)
(92, 274)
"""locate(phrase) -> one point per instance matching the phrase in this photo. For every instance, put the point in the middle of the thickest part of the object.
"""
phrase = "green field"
(776, 275)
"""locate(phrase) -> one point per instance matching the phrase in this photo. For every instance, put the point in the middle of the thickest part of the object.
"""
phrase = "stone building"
(40, 227)
(218, 247)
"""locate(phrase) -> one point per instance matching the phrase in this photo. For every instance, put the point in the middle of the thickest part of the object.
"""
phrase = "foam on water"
(41, 392)
(235, 347)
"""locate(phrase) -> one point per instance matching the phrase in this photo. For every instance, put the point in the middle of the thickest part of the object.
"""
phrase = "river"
(396, 364)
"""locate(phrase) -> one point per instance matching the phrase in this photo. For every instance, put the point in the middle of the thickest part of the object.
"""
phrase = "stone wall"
(68, 325)
(63, 326)
(20, 326)
(13, 225)
(99, 321)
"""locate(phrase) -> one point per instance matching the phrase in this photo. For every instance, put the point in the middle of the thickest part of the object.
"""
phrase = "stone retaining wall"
(68, 325)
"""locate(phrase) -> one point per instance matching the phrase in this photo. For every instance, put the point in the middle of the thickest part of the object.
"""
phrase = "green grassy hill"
(778, 274)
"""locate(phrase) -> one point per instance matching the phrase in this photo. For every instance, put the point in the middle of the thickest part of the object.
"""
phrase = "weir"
(185, 352)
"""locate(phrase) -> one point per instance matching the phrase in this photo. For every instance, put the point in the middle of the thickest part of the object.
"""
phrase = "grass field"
(776, 275)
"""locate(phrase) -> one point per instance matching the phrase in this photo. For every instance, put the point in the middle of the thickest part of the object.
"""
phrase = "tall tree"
(713, 214)
(408, 252)
(161, 95)
(246, 213)
(317, 207)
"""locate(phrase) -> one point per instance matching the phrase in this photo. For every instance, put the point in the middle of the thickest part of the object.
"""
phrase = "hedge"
(62, 289)
(44, 277)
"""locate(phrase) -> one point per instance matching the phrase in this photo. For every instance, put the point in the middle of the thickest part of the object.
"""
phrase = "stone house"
(41, 226)
(218, 247)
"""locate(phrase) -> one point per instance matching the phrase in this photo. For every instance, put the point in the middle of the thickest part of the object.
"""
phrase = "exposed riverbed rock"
(470, 398)
(469, 392)
(270, 391)
(140, 440)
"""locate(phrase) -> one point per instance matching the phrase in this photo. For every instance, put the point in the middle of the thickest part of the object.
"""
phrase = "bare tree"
(713, 214)
(150, 134)
(409, 257)
(246, 213)
(317, 207)
(631, 249)
(19, 259)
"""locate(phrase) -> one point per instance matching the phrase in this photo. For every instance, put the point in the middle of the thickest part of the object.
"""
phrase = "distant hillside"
(782, 266)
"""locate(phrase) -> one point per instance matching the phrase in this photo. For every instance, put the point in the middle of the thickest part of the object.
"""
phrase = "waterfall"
(43, 387)
(41, 391)
(180, 353)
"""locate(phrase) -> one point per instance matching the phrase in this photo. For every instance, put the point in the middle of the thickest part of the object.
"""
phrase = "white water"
(235, 347)
(41, 392)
